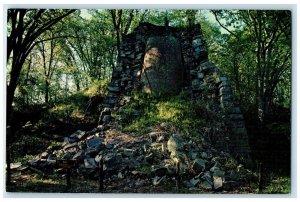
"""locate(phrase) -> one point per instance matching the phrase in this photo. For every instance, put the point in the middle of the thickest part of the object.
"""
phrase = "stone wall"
(162, 68)
(170, 68)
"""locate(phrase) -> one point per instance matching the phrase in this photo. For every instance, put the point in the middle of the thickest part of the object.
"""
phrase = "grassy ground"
(144, 112)
(29, 181)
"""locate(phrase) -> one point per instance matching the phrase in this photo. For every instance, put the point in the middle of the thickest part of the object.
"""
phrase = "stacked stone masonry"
(201, 76)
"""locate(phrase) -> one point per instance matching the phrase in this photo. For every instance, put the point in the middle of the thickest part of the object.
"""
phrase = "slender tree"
(265, 37)
(24, 27)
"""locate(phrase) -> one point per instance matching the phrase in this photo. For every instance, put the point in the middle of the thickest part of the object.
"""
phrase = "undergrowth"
(146, 110)
(82, 105)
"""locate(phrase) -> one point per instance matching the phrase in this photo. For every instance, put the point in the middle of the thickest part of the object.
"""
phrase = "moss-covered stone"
(163, 69)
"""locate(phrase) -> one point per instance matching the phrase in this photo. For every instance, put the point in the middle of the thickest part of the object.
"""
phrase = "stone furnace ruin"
(167, 59)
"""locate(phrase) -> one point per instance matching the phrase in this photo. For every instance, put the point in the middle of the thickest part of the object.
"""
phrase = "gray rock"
(139, 56)
(196, 83)
(122, 54)
(44, 155)
(126, 78)
(235, 110)
(106, 110)
(235, 117)
(79, 156)
(216, 164)
(197, 42)
(69, 140)
(198, 165)
(70, 146)
(129, 152)
(221, 79)
(193, 72)
(89, 163)
(79, 135)
(178, 156)
(137, 73)
(204, 155)
(193, 155)
(109, 146)
(199, 51)
(159, 171)
(128, 52)
(158, 180)
(200, 75)
(120, 176)
(194, 181)
(106, 119)
(206, 67)
(66, 140)
(112, 100)
(205, 185)
(95, 142)
(218, 182)
(93, 151)
(191, 183)
(224, 84)
(51, 159)
(219, 173)
(207, 177)
(175, 143)
(140, 182)
(15, 166)
(115, 89)
(113, 161)
(131, 56)
(98, 158)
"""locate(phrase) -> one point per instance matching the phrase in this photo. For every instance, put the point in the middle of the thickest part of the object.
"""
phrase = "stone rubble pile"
(150, 160)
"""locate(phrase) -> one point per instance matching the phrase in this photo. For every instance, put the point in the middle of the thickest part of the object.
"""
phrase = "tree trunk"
(9, 100)
(47, 89)
(8, 159)
(10, 90)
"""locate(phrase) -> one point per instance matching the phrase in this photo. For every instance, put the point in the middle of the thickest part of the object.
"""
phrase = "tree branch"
(224, 27)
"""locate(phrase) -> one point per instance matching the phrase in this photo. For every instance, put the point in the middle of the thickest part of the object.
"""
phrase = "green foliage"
(278, 185)
(255, 52)
(98, 87)
(150, 109)
(77, 105)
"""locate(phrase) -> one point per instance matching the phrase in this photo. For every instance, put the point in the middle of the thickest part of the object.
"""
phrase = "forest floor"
(34, 138)
(26, 179)
(30, 181)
